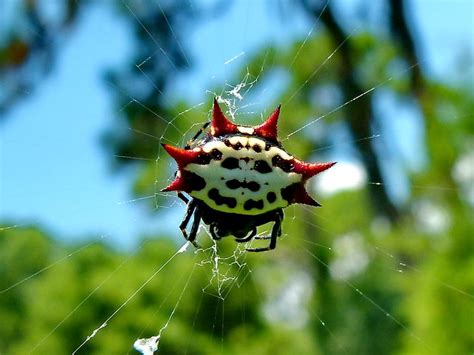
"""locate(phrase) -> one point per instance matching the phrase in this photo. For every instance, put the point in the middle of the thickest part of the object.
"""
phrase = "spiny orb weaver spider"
(239, 178)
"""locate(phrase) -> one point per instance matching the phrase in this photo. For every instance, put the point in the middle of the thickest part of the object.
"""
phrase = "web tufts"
(235, 94)
(147, 346)
(225, 271)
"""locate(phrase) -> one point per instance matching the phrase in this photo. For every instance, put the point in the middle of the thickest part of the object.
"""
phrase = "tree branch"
(361, 112)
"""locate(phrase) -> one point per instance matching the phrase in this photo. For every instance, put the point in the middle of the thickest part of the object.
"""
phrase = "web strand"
(146, 282)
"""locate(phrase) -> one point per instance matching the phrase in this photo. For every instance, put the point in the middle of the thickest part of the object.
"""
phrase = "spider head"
(220, 230)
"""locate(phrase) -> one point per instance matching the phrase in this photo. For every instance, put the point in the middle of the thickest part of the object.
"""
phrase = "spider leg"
(195, 227)
(265, 237)
(187, 217)
(189, 212)
(192, 140)
(248, 237)
(276, 231)
(183, 198)
(281, 216)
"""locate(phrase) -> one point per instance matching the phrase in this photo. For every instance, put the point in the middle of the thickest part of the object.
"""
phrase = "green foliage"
(58, 308)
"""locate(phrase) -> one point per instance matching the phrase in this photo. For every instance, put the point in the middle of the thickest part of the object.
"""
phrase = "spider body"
(240, 178)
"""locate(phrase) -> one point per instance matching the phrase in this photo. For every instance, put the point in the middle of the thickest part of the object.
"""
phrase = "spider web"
(352, 253)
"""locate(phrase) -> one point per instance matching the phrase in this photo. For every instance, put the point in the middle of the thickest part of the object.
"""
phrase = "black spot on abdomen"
(262, 167)
(235, 184)
(196, 182)
(253, 186)
(285, 165)
(216, 154)
(230, 163)
(271, 197)
(221, 200)
(288, 193)
(250, 204)
(237, 146)
(203, 159)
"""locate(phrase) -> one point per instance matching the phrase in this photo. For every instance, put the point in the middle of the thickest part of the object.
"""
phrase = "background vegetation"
(369, 273)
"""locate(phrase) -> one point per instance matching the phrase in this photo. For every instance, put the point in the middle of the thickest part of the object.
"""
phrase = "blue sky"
(54, 171)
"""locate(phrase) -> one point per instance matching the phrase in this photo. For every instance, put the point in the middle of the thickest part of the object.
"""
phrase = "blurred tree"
(360, 117)
(58, 308)
(29, 47)
(140, 88)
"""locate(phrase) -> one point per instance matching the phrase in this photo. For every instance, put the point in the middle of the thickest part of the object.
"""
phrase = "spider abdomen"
(243, 175)
(240, 178)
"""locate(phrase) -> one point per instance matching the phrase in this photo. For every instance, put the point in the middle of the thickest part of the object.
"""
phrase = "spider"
(239, 178)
